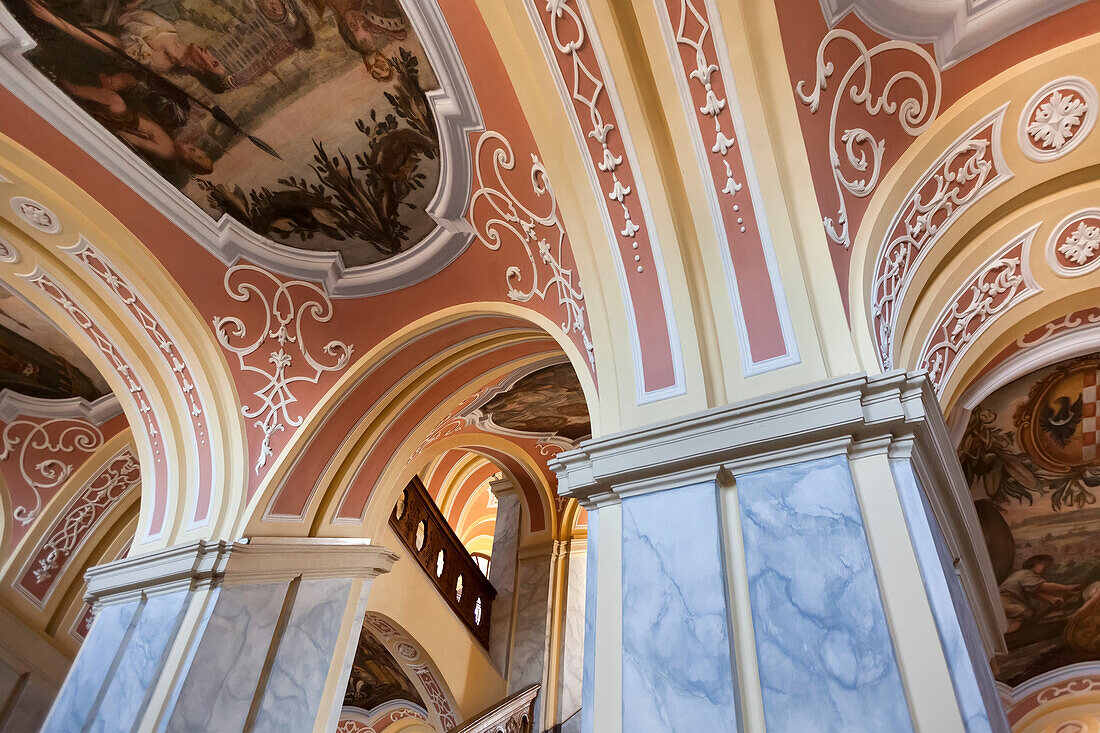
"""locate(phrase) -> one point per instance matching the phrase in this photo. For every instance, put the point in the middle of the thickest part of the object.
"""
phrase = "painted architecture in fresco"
(308, 122)
(1030, 455)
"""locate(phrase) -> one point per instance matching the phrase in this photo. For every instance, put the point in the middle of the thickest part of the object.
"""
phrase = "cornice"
(247, 561)
(799, 424)
(14, 404)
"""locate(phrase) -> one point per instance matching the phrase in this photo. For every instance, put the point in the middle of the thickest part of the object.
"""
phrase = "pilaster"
(253, 635)
(788, 562)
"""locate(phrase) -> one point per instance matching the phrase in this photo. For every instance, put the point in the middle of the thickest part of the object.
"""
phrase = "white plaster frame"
(14, 404)
(456, 112)
(1092, 102)
(1056, 240)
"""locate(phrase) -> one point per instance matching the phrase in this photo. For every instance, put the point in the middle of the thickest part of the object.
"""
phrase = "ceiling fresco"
(306, 121)
(376, 678)
(38, 360)
(1030, 455)
(549, 400)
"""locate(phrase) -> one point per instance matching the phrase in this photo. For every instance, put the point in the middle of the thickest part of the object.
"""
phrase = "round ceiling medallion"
(35, 214)
(1058, 118)
(1074, 247)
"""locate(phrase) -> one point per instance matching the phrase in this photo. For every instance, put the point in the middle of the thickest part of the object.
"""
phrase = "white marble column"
(208, 636)
(31, 672)
(502, 570)
(787, 564)
(531, 636)
(571, 653)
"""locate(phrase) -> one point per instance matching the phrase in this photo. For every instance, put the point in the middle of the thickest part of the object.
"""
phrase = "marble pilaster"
(572, 633)
(587, 716)
(764, 574)
(531, 637)
(502, 570)
(249, 636)
(826, 658)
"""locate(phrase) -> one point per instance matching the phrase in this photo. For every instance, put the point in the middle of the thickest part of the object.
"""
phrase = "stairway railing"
(514, 714)
(424, 531)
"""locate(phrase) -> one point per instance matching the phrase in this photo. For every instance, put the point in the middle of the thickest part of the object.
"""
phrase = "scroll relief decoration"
(972, 167)
(999, 284)
(496, 211)
(40, 449)
(279, 333)
(121, 475)
(1058, 118)
(1074, 247)
(914, 113)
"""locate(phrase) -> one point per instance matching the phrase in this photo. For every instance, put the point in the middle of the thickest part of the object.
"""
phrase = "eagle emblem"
(1061, 422)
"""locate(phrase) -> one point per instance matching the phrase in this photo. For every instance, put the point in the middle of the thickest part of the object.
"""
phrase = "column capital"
(503, 487)
(854, 413)
(250, 560)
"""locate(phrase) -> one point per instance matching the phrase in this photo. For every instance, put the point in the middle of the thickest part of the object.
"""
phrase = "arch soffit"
(354, 425)
(974, 228)
(113, 298)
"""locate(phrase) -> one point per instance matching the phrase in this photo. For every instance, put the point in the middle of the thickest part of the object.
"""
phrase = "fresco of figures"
(1030, 455)
(376, 678)
(549, 400)
(305, 120)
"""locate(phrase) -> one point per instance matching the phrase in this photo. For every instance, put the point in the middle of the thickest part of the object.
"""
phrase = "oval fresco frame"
(453, 104)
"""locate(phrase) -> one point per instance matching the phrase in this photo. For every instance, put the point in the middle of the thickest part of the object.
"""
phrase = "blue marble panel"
(221, 679)
(80, 692)
(970, 673)
(588, 666)
(824, 650)
(677, 665)
(154, 629)
(306, 651)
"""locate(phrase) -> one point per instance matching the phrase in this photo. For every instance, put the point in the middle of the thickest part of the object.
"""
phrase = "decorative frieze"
(969, 169)
(994, 288)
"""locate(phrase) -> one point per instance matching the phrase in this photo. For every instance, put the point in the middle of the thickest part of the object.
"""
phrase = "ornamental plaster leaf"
(29, 440)
(914, 113)
(1056, 119)
(496, 211)
(1082, 243)
(280, 330)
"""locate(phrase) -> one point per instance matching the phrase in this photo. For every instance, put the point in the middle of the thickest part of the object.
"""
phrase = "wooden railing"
(514, 714)
(423, 529)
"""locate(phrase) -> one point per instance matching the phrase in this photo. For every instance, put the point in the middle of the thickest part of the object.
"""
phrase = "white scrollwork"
(280, 330)
(999, 284)
(1058, 118)
(713, 105)
(1053, 328)
(1070, 687)
(915, 113)
(121, 475)
(970, 168)
(40, 445)
(35, 214)
(496, 210)
(583, 77)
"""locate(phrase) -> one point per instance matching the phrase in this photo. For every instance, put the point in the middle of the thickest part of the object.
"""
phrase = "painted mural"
(549, 400)
(38, 360)
(1030, 455)
(305, 120)
(376, 678)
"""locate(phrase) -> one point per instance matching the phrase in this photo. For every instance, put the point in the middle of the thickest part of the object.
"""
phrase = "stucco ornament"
(1074, 246)
(1082, 243)
(914, 113)
(1057, 118)
(285, 309)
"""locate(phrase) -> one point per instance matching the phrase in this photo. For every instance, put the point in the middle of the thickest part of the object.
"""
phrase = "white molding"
(15, 404)
(756, 198)
(456, 112)
(955, 28)
(1092, 106)
(1012, 695)
(1056, 241)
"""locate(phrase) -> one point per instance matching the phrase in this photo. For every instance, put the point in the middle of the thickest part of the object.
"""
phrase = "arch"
(76, 262)
(369, 427)
(902, 283)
